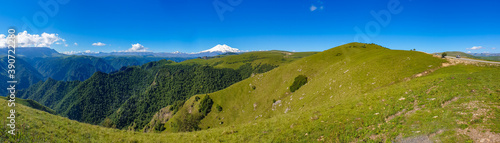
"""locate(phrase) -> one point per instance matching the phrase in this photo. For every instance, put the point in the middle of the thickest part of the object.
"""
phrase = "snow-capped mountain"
(222, 49)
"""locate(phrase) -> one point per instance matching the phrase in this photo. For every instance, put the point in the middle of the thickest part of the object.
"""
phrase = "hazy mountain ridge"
(34, 64)
(485, 54)
(216, 50)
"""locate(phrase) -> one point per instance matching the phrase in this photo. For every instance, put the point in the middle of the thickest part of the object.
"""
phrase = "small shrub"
(299, 81)
(196, 98)
(274, 100)
(443, 55)
(186, 123)
(107, 123)
(253, 87)
(205, 105)
(219, 108)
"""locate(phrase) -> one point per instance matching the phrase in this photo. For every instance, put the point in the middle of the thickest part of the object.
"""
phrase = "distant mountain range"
(34, 64)
(485, 54)
(216, 50)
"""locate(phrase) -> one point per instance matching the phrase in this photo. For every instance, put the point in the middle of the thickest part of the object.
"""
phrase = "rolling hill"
(351, 93)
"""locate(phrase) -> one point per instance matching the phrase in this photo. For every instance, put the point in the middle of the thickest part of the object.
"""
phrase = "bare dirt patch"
(448, 102)
(395, 115)
(161, 116)
(480, 135)
(417, 139)
(436, 133)
(479, 110)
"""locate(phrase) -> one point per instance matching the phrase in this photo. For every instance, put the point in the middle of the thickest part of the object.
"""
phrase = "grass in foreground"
(444, 103)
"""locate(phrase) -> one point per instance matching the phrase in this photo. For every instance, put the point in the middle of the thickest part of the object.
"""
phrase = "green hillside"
(30, 103)
(354, 93)
(254, 58)
(26, 75)
(118, 62)
(347, 70)
(128, 98)
(48, 92)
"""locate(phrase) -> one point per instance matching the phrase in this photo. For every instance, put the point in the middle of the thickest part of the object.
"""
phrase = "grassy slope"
(31, 103)
(344, 117)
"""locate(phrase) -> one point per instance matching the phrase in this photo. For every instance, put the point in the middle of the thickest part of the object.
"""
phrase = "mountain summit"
(222, 48)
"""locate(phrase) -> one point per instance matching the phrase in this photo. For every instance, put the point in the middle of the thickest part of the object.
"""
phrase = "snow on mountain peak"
(222, 48)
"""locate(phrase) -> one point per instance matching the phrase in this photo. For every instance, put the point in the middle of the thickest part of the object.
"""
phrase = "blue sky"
(293, 25)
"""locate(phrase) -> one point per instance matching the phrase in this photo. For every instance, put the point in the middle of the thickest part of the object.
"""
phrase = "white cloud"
(3, 41)
(76, 44)
(316, 5)
(313, 8)
(137, 48)
(493, 48)
(469, 52)
(476, 48)
(24, 39)
(98, 44)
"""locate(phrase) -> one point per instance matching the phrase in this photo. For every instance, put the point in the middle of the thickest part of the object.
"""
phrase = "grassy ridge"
(338, 73)
(254, 58)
